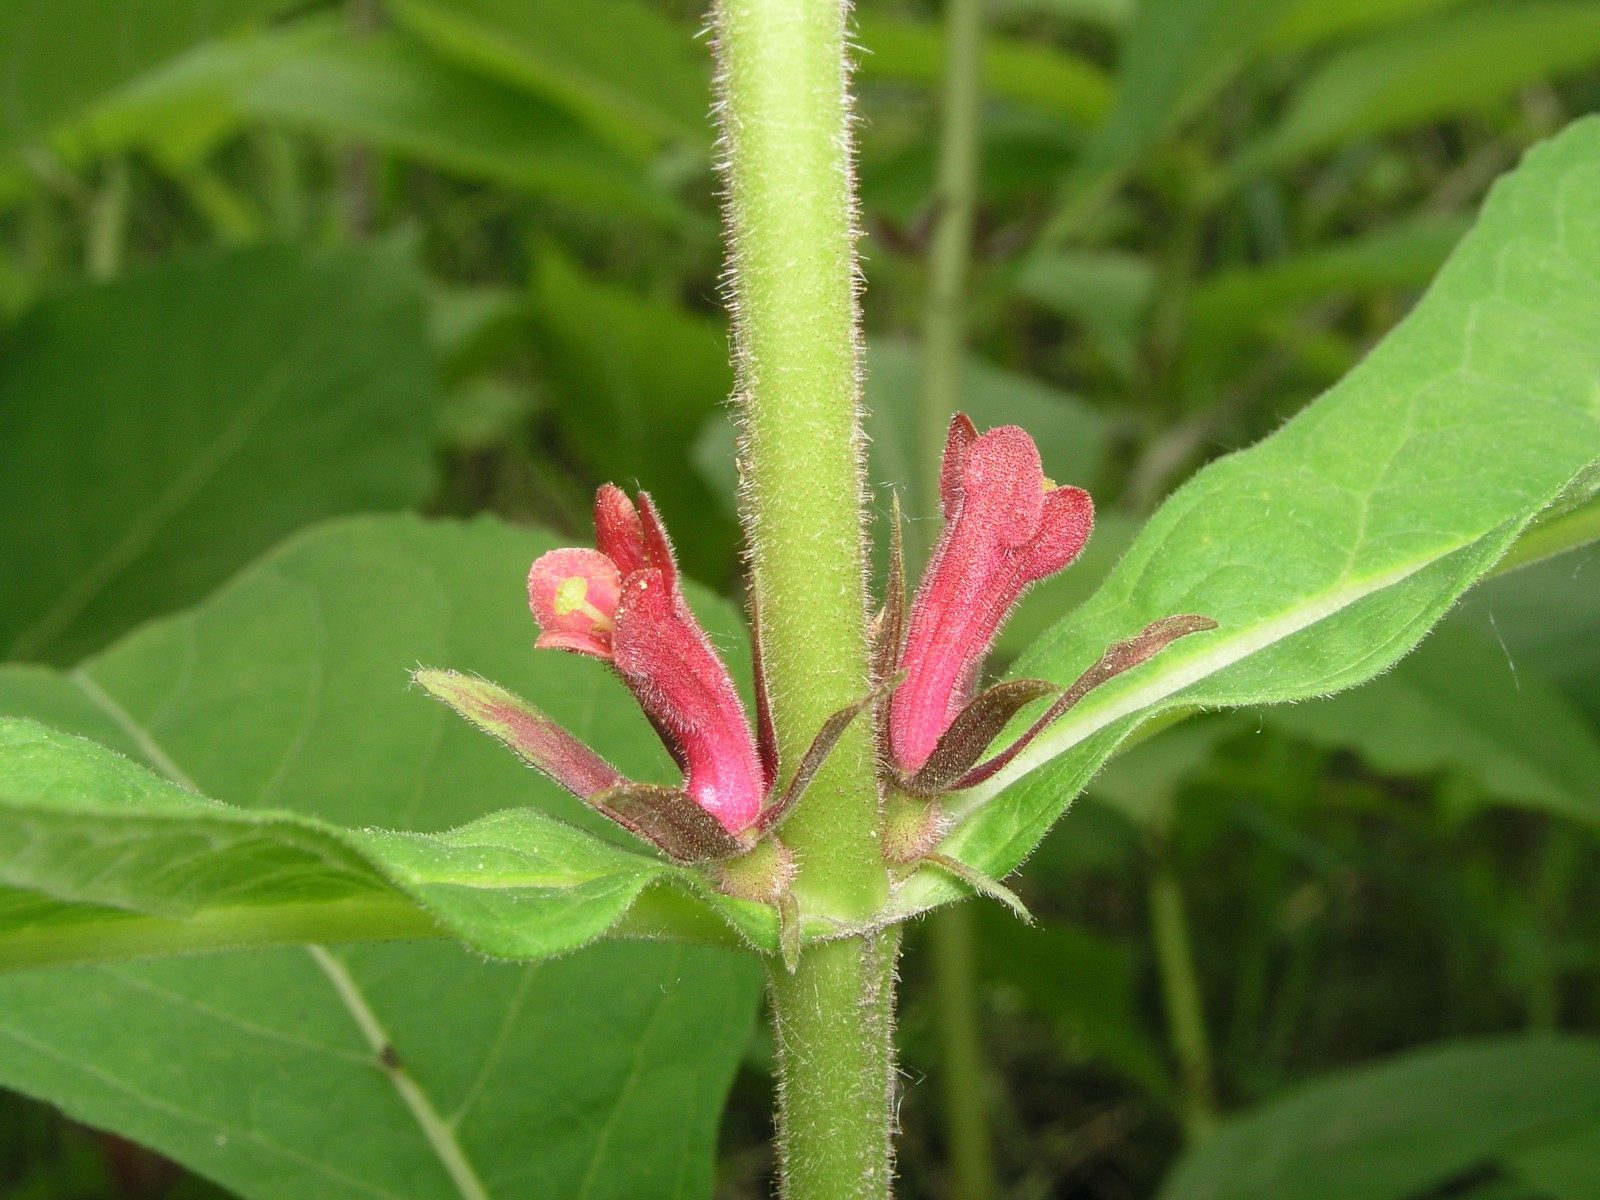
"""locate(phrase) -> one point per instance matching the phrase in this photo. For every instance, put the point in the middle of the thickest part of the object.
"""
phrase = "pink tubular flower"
(622, 603)
(1006, 527)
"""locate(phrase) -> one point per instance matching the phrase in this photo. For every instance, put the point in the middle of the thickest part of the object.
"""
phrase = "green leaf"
(1108, 292)
(623, 66)
(1025, 151)
(1175, 56)
(406, 1072)
(1571, 524)
(1393, 1130)
(1546, 618)
(61, 56)
(1014, 69)
(135, 477)
(288, 687)
(1113, 14)
(1458, 704)
(1142, 784)
(182, 110)
(1178, 54)
(1328, 550)
(1458, 61)
(1308, 22)
(474, 329)
(632, 380)
(105, 859)
(389, 91)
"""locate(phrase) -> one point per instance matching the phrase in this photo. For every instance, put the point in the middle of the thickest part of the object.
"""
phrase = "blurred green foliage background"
(264, 262)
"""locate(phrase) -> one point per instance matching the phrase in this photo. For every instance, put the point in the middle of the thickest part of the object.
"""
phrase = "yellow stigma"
(1049, 485)
(572, 593)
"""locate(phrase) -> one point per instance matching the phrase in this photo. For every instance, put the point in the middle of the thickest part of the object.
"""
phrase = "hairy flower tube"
(1006, 527)
(622, 603)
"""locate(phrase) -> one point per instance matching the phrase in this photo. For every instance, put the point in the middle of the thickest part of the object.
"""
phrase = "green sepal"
(534, 737)
(981, 883)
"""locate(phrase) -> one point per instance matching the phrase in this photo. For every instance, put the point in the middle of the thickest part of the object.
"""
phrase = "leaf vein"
(439, 1134)
(222, 1016)
(496, 1048)
(635, 1069)
(186, 1117)
(141, 737)
(146, 526)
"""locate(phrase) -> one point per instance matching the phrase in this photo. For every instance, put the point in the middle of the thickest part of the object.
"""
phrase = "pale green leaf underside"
(1328, 550)
(91, 837)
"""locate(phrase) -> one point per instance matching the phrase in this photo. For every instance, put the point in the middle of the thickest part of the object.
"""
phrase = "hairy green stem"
(1180, 993)
(785, 115)
(963, 1084)
(836, 1068)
